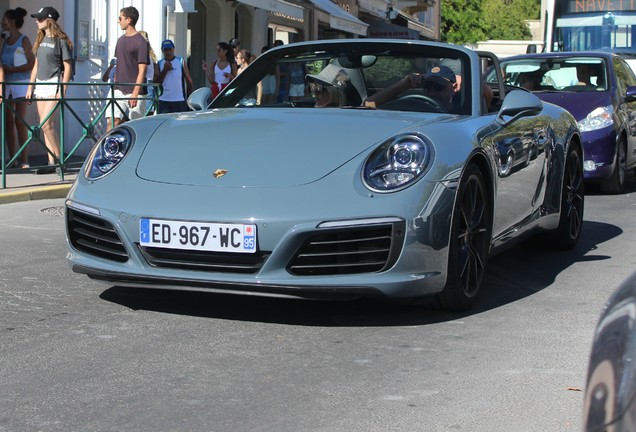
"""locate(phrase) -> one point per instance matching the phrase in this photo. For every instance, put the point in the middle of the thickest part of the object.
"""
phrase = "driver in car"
(438, 84)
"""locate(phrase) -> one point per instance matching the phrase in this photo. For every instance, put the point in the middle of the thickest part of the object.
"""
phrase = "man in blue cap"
(438, 84)
(175, 80)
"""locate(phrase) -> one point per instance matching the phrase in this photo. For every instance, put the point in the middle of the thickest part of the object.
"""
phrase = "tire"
(616, 183)
(572, 202)
(469, 242)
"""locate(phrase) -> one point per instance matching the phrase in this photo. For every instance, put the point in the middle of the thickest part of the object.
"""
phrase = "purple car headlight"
(108, 153)
(397, 163)
(599, 118)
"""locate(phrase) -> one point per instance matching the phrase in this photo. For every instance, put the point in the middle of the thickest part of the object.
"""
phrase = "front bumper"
(600, 153)
(414, 263)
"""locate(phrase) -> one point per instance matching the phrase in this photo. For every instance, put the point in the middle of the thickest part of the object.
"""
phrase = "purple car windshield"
(571, 74)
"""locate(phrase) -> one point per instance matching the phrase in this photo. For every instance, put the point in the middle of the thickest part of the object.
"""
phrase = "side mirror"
(199, 99)
(631, 94)
(519, 103)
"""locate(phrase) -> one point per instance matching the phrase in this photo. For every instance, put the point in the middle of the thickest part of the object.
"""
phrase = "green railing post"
(2, 119)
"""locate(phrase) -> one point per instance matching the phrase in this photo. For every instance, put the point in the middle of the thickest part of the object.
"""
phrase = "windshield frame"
(232, 95)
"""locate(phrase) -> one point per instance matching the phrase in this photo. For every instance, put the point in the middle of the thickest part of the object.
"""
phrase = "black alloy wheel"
(572, 201)
(469, 242)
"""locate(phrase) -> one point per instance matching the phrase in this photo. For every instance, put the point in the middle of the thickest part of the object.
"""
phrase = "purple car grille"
(94, 236)
(349, 251)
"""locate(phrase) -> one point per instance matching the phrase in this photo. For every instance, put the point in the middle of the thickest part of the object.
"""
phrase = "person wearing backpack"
(174, 77)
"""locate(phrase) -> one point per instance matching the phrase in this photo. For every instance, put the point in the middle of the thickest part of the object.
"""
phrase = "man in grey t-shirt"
(132, 56)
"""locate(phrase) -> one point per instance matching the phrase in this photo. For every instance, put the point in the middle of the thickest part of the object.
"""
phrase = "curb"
(36, 193)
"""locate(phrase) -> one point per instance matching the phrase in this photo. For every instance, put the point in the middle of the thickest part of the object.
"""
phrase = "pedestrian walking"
(243, 60)
(132, 53)
(235, 44)
(53, 65)
(223, 70)
(17, 61)
(174, 77)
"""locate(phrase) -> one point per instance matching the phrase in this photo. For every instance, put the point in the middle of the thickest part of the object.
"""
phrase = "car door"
(519, 150)
(626, 106)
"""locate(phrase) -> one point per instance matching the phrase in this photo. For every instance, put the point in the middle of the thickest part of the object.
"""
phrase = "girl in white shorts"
(53, 55)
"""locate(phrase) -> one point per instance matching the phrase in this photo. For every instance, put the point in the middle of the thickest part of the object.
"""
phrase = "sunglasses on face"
(435, 87)
(316, 88)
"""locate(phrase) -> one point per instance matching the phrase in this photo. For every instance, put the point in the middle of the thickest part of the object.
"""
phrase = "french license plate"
(202, 236)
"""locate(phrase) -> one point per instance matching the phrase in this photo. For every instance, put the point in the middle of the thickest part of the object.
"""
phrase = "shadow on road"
(514, 275)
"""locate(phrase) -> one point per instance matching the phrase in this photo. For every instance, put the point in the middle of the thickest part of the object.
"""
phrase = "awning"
(341, 20)
(277, 6)
(373, 7)
(413, 7)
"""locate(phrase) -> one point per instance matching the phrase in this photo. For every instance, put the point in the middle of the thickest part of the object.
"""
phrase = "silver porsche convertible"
(353, 168)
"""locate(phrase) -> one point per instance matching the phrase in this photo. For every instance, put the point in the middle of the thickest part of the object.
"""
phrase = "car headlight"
(600, 118)
(108, 153)
(397, 163)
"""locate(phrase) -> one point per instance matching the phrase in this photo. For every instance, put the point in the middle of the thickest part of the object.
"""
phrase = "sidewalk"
(26, 185)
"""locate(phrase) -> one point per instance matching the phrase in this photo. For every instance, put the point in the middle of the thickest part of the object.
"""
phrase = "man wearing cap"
(438, 84)
(175, 80)
(132, 53)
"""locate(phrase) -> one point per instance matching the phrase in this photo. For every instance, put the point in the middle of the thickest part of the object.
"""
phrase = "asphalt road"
(77, 355)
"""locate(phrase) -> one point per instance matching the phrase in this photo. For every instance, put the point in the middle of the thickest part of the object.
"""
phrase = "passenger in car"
(331, 87)
(456, 66)
(529, 81)
(584, 73)
(438, 84)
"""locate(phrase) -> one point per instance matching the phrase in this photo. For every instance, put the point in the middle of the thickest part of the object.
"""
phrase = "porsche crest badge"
(219, 172)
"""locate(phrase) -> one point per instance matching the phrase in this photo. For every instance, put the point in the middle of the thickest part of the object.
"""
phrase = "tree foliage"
(504, 19)
(462, 21)
(469, 21)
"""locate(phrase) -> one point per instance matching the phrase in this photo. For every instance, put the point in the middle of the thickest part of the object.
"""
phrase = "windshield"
(577, 74)
(344, 75)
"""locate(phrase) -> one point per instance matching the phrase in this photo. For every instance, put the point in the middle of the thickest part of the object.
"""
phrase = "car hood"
(265, 147)
(579, 104)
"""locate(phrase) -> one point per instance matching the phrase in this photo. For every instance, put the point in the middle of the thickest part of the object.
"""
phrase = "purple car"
(599, 89)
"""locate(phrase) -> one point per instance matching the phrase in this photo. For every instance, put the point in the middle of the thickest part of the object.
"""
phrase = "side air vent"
(94, 236)
(349, 251)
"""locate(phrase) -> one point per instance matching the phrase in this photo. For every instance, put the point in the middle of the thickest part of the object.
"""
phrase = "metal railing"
(68, 114)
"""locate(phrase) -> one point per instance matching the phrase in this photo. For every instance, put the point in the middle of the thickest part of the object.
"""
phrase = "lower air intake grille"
(204, 261)
(94, 236)
(349, 251)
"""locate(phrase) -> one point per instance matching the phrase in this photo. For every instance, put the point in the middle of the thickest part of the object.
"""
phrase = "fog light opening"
(589, 165)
